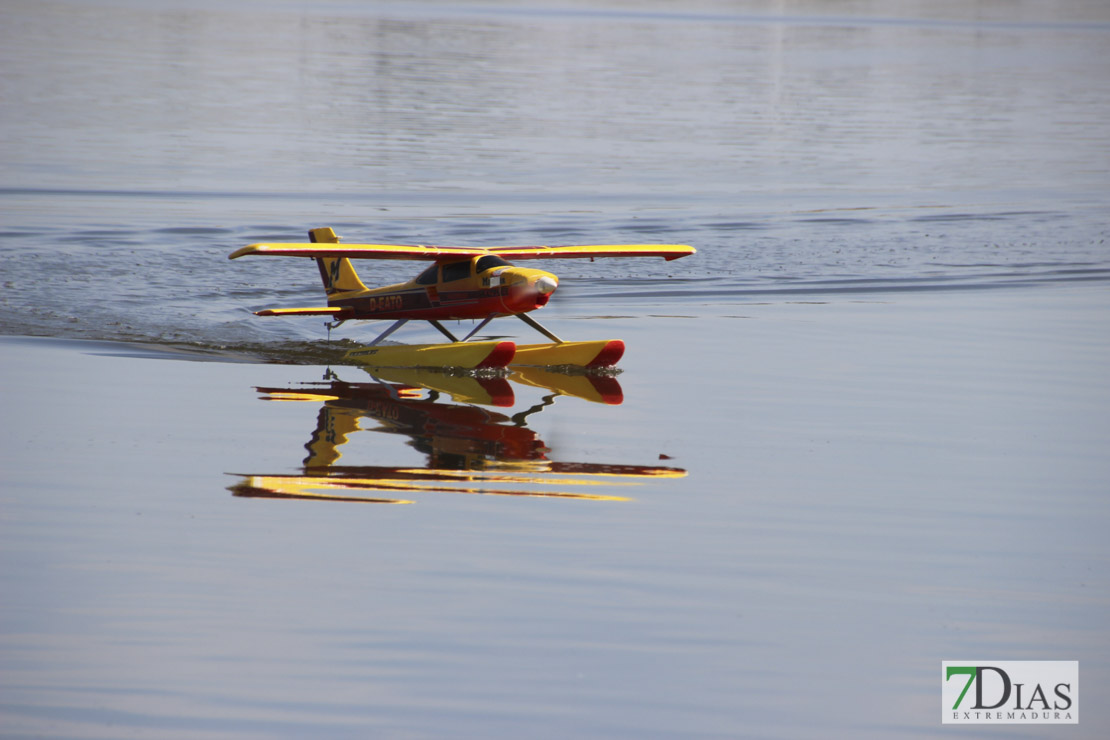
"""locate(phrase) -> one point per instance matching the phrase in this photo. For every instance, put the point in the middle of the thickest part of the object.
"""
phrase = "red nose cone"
(609, 355)
(501, 356)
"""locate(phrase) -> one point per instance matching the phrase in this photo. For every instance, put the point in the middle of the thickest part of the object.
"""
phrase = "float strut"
(390, 330)
(479, 327)
(443, 330)
(538, 327)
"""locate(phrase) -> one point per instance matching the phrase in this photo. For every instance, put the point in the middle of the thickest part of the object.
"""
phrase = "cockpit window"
(428, 277)
(490, 260)
(456, 271)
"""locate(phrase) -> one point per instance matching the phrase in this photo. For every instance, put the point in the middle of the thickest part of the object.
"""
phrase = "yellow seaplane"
(477, 283)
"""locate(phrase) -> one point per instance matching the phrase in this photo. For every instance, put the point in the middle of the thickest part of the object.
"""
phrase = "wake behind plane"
(478, 283)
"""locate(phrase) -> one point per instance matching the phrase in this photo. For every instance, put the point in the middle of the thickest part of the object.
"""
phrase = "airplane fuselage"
(474, 288)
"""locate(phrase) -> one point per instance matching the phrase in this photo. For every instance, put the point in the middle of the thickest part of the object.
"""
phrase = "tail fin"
(338, 273)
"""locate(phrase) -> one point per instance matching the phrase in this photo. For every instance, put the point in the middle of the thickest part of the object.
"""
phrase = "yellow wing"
(358, 251)
(667, 251)
(421, 252)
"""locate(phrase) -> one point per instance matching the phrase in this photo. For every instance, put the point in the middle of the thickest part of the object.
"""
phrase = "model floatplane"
(462, 283)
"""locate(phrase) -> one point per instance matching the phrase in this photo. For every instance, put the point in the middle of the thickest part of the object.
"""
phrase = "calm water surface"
(861, 432)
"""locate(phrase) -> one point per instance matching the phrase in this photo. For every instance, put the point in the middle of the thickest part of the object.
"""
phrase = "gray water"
(880, 384)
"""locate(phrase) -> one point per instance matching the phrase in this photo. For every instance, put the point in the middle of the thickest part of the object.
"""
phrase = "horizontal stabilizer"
(336, 312)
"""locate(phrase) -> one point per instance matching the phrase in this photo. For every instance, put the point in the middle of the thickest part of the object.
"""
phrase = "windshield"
(488, 262)
(456, 271)
(428, 277)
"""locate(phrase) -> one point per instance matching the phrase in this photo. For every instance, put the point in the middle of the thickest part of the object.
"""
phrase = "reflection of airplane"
(463, 283)
(454, 436)
(470, 449)
(466, 388)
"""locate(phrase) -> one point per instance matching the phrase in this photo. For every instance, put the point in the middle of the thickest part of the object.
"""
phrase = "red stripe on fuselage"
(416, 304)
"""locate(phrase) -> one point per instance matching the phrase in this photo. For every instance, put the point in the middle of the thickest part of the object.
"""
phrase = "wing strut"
(538, 327)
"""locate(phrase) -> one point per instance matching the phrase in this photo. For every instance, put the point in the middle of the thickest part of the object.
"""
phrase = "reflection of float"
(470, 449)
(589, 386)
(496, 391)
